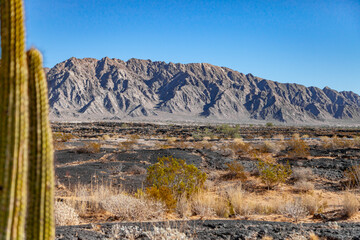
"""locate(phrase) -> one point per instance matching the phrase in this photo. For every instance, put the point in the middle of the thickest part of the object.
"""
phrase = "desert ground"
(253, 181)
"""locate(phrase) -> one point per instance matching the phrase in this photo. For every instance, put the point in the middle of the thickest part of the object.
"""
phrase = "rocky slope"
(111, 89)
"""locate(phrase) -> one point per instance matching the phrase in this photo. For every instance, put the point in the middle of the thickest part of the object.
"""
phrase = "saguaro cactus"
(13, 121)
(14, 135)
(40, 218)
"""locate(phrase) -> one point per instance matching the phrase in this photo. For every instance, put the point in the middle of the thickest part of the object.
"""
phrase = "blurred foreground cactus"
(40, 217)
(15, 132)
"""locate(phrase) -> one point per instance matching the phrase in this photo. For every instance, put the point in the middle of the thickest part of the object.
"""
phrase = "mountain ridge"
(112, 89)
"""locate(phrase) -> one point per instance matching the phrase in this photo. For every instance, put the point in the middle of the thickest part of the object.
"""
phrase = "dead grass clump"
(239, 147)
(302, 174)
(126, 207)
(270, 206)
(353, 175)
(303, 186)
(235, 171)
(271, 147)
(314, 203)
(90, 147)
(202, 204)
(313, 236)
(65, 215)
(350, 204)
(237, 200)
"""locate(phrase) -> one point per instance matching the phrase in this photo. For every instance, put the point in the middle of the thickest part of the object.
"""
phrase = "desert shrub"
(90, 147)
(65, 215)
(163, 194)
(229, 132)
(294, 209)
(273, 173)
(297, 147)
(62, 137)
(350, 205)
(235, 171)
(353, 175)
(171, 178)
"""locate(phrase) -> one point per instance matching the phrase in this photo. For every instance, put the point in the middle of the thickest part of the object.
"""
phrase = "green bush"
(174, 178)
(273, 173)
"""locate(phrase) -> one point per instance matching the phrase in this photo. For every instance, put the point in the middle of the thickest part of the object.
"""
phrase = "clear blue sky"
(315, 43)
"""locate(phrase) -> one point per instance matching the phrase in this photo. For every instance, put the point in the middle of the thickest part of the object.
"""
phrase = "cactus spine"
(14, 135)
(13, 121)
(40, 218)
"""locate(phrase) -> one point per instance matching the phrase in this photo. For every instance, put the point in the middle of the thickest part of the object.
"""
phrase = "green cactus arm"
(13, 121)
(40, 218)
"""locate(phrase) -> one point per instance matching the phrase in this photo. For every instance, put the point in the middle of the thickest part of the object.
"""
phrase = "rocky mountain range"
(112, 89)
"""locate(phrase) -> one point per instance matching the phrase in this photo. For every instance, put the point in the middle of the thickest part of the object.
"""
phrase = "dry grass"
(353, 176)
(350, 204)
(202, 204)
(314, 203)
(303, 186)
(126, 207)
(237, 200)
(88, 200)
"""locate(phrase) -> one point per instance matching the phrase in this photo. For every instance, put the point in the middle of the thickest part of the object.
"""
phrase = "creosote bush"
(273, 173)
(170, 178)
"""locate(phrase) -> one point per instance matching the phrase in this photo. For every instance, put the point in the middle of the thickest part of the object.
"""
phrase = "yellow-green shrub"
(171, 178)
(273, 173)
